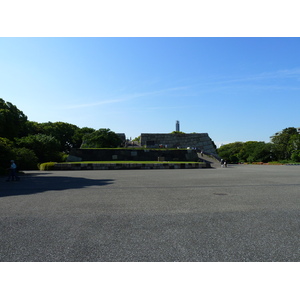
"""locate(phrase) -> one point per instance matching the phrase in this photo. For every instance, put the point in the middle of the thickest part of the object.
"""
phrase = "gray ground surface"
(239, 213)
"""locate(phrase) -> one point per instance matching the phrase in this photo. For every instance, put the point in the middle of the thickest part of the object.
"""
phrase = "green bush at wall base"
(46, 166)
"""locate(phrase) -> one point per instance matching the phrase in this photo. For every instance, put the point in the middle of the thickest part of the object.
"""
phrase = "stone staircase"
(214, 162)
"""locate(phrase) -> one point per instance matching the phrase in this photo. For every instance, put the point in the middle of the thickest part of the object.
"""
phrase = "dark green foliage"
(229, 152)
(30, 142)
(25, 159)
(12, 120)
(44, 146)
(63, 132)
(79, 134)
(286, 143)
(32, 128)
(6, 150)
(296, 156)
(6, 154)
(68, 135)
(102, 138)
(246, 152)
(262, 152)
(284, 147)
(255, 152)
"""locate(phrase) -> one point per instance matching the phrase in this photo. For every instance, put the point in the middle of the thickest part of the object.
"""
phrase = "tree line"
(284, 147)
(31, 143)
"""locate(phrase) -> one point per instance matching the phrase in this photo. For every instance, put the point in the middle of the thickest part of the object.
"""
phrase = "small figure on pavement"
(13, 172)
(222, 162)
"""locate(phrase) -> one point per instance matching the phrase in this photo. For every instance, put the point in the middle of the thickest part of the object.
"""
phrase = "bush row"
(25, 158)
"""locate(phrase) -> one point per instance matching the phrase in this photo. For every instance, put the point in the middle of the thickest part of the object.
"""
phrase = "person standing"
(13, 172)
(222, 162)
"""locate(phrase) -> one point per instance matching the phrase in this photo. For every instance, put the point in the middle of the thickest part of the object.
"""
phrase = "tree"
(69, 135)
(45, 147)
(285, 143)
(79, 135)
(255, 151)
(63, 132)
(6, 153)
(102, 138)
(230, 152)
(296, 156)
(32, 128)
(12, 120)
(262, 152)
(137, 139)
(26, 159)
(294, 147)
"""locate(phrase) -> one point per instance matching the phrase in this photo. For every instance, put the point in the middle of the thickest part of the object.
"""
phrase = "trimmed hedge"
(46, 166)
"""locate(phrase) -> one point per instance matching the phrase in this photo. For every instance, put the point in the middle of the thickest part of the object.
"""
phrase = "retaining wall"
(123, 166)
(132, 155)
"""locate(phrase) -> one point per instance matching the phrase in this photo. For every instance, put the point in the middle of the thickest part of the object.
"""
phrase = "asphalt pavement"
(235, 214)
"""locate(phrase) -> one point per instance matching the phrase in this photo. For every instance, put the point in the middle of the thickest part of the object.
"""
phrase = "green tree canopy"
(79, 135)
(285, 143)
(230, 152)
(63, 132)
(26, 159)
(6, 153)
(32, 128)
(45, 147)
(102, 138)
(253, 151)
(12, 120)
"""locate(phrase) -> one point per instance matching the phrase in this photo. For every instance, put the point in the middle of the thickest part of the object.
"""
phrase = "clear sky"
(234, 89)
(235, 79)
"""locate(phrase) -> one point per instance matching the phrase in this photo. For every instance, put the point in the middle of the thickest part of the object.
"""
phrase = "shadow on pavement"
(39, 183)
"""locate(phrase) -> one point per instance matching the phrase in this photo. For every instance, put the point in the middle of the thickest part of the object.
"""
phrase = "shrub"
(26, 159)
(46, 166)
(296, 156)
(62, 157)
(45, 147)
(6, 152)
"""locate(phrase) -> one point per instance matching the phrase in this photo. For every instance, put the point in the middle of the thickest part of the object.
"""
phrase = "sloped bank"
(128, 166)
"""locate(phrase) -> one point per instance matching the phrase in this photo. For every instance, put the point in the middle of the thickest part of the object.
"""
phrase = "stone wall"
(134, 166)
(200, 141)
(132, 155)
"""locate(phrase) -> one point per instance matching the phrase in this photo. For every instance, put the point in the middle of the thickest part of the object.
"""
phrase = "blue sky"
(235, 89)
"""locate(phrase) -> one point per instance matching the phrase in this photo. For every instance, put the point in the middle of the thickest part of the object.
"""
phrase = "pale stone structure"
(200, 141)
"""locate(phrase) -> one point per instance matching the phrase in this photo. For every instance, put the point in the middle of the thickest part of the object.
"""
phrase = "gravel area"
(235, 214)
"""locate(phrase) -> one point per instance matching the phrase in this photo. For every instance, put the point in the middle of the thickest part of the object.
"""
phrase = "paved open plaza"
(235, 214)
